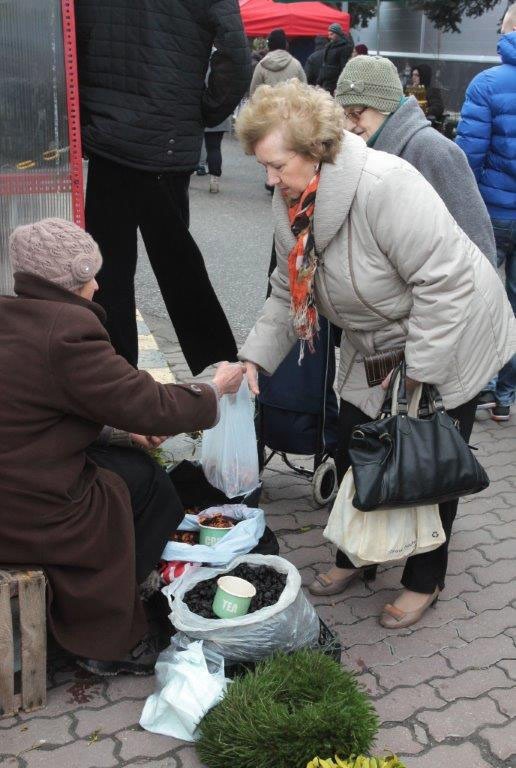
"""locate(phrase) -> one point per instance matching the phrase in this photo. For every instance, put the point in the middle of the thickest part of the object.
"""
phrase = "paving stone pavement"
(445, 690)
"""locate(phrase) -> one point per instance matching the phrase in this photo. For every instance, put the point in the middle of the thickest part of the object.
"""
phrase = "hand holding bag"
(402, 460)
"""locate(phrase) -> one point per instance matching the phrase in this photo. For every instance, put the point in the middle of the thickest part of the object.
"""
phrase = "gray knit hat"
(56, 250)
(369, 81)
(335, 27)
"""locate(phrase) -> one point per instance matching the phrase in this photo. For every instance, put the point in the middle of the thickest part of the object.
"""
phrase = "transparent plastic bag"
(189, 682)
(229, 451)
(238, 541)
(289, 624)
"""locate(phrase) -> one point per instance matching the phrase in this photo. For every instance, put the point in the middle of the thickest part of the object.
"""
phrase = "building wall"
(407, 36)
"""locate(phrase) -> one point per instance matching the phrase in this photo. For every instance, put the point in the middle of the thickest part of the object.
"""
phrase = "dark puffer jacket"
(335, 58)
(142, 68)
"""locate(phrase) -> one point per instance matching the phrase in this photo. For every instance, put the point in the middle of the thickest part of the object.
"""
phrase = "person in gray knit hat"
(369, 89)
(336, 54)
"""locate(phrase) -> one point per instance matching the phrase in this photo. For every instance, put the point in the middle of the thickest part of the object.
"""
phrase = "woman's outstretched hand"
(228, 377)
(251, 370)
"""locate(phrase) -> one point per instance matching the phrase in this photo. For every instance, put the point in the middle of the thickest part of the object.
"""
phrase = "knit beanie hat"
(277, 40)
(369, 81)
(361, 49)
(56, 250)
(335, 27)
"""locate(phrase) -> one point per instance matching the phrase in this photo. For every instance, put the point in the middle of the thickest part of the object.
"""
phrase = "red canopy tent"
(297, 19)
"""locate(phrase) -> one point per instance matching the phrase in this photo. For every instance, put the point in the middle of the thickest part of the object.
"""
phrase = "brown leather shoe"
(394, 618)
(324, 585)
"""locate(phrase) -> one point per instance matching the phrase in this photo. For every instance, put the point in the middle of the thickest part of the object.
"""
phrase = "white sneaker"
(214, 184)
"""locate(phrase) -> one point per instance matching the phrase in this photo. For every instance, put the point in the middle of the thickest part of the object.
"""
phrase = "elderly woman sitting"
(364, 240)
(96, 520)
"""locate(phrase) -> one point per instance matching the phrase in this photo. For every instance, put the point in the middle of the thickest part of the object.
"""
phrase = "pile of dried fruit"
(217, 521)
(269, 585)
(185, 537)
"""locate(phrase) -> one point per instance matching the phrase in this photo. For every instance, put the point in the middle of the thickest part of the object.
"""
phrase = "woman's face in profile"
(87, 291)
(416, 78)
(286, 169)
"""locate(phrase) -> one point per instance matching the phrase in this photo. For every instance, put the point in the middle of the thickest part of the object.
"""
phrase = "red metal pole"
(72, 101)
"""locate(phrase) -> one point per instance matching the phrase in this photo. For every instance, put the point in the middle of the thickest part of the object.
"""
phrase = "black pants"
(156, 506)
(425, 572)
(119, 200)
(213, 140)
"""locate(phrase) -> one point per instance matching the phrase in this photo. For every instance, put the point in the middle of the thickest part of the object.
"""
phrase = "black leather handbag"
(401, 461)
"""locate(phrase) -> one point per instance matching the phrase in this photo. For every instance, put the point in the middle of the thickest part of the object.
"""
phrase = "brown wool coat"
(60, 382)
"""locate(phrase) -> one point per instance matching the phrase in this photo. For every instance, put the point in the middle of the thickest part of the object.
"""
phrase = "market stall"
(305, 19)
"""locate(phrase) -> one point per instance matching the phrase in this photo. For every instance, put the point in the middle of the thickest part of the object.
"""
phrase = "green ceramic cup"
(209, 535)
(233, 597)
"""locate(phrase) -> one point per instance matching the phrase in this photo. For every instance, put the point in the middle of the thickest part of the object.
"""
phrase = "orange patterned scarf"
(302, 263)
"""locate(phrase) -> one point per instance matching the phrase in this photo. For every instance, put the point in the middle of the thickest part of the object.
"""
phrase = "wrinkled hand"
(228, 377)
(148, 441)
(251, 370)
(411, 383)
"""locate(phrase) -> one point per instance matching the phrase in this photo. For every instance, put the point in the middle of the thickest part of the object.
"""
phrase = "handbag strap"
(386, 409)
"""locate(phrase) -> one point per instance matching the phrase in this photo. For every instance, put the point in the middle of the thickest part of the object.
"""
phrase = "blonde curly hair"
(312, 122)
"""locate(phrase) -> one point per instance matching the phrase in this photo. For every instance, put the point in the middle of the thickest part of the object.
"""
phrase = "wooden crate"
(23, 588)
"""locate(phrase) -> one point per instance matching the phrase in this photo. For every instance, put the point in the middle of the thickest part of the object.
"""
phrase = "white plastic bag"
(383, 535)
(188, 684)
(289, 624)
(229, 451)
(237, 541)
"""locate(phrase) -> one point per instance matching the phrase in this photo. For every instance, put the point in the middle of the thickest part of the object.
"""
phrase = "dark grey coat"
(409, 135)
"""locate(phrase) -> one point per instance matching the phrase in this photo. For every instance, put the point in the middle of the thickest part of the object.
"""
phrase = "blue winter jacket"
(487, 131)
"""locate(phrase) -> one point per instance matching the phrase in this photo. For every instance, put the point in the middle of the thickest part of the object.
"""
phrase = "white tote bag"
(382, 535)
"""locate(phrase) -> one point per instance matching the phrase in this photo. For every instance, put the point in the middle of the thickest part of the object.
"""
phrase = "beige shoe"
(214, 185)
(325, 585)
(394, 618)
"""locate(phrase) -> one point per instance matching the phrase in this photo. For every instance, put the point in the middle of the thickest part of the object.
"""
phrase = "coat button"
(171, 141)
(195, 388)
(170, 152)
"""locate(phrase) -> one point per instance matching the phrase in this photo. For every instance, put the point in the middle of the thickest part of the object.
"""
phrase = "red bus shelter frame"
(37, 182)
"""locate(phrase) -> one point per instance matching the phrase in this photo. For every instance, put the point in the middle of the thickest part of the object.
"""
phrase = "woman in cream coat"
(365, 240)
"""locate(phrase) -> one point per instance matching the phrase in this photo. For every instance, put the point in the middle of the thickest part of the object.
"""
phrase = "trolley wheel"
(324, 483)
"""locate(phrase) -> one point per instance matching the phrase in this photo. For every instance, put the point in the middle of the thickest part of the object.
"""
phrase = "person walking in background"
(360, 49)
(429, 97)
(213, 141)
(259, 51)
(143, 135)
(487, 134)
(314, 62)
(336, 55)
(278, 65)
(379, 113)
